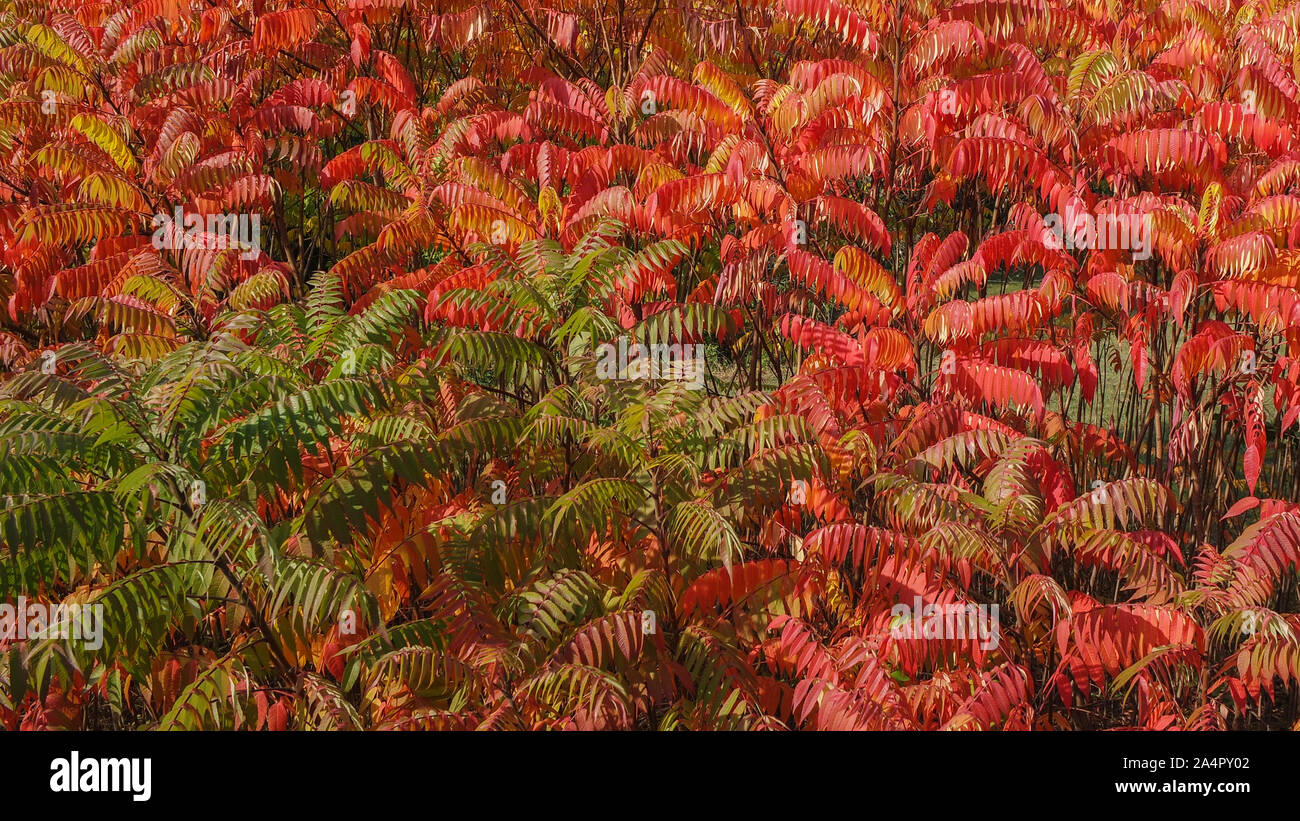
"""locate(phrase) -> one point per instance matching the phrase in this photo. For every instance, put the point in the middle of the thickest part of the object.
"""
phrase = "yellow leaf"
(107, 139)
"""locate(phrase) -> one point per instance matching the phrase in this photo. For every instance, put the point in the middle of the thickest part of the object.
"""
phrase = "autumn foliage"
(362, 468)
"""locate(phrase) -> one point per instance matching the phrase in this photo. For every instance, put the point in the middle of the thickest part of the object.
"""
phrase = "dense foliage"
(370, 469)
